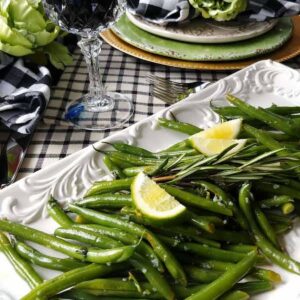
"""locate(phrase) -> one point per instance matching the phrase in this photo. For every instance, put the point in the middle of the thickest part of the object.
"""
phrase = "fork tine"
(170, 88)
(167, 90)
(165, 98)
(159, 80)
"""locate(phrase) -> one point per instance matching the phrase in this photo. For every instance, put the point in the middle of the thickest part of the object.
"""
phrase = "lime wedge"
(226, 130)
(211, 147)
(153, 201)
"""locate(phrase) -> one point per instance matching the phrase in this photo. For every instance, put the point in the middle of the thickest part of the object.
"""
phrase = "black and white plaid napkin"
(161, 11)
(24, 93)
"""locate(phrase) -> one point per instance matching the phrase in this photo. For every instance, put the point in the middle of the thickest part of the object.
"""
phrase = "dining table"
(55, 139)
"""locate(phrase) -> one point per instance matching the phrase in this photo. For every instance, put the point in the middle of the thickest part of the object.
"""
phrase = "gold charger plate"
(289, 50)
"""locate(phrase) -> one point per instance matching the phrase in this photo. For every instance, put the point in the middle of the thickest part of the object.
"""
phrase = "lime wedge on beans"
(153, 201)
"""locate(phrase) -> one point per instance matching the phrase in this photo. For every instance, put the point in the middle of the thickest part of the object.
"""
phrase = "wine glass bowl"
(87, 19)
(99, 109)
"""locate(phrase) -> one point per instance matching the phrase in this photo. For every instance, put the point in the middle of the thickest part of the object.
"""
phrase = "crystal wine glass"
(99, 109)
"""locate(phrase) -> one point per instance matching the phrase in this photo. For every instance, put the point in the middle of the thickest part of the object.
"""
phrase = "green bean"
(188, 233)
(210, 252)
(287, 208)
(265, 226)
(133, 171)
(209, 264)
(125, 148)
(267, 140)
(79, 252)
(45, 261)
(235, 111)
(88, 237)
(278, 189)
(105, 200)
(275, 201)
(57, 284)
(113, 168)
(216, 220)
(226, 281)
(214, 189)
(22, 267)
(282, 228)
(156, 279)
(275, 218)
(197, 201)
(202, 275)
(225, 198)
(281, 137)
(57, 213)
(275, 121)
(215, 264)
(179, 126)
(228, 236)
(182, 145)
(118, 287)
(265, 246)
(122, 164)
(102, 187)
(201, 223)
(99, 240)
(181, 292)
(114, 233)
(268, 275)
(255, 287)
(85, 295)
(112, 221)
(235, 295)
(230, 112)
(134, 160)
(94, 239)
(242, 248)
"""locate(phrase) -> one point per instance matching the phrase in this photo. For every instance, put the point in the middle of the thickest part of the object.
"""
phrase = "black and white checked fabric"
(260, 10)
(24, 93)
(54, 139)
(160, 11)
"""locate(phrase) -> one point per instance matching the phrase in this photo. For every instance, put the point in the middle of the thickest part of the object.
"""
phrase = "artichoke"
(25, 30)
(219, 10)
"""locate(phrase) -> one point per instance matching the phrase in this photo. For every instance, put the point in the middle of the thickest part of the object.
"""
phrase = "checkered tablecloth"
(54, 139)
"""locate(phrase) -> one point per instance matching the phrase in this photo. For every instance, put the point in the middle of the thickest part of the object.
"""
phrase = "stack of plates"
(202, 44)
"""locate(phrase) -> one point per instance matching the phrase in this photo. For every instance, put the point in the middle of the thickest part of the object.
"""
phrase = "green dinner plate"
(263, 44)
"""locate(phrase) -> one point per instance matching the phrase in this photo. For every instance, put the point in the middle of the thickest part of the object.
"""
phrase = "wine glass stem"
(96, 100)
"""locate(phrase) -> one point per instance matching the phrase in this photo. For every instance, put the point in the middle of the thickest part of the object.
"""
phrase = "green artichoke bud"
(219, 10)
(24, 30)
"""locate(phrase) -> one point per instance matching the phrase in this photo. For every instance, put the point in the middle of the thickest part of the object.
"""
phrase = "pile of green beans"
(238, 207)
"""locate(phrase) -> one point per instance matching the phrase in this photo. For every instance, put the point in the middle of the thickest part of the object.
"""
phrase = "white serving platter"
(261, 84)
(203, 31)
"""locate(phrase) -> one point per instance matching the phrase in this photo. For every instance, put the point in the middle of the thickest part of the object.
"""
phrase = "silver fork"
(171, 91)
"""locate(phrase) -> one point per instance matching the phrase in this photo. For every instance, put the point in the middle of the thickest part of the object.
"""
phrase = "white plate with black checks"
(261, 84)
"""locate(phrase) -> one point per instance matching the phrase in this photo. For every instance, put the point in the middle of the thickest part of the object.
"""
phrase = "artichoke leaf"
(58, 55)
(11, 35)
(219, 10)
(25, 15)
(16, 50)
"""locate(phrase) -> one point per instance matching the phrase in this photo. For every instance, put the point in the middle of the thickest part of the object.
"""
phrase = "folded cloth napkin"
(160, 11)
(24, 93)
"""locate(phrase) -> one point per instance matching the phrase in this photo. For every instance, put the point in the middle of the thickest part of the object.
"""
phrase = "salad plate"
(260, 84)
(260, 45)
(204, 31)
